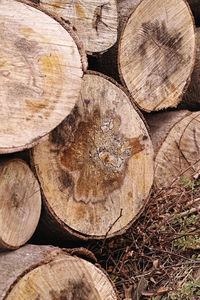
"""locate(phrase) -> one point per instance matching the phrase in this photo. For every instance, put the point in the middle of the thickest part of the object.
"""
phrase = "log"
(96, 21)
(157, 53)
(41, 68)
(46, 272)
(106, 63)
(176, 140)
(96, 168)
(191, 98)
(20, 203)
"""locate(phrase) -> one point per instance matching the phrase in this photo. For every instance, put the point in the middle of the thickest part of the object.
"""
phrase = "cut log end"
(98, 164)
(95, 21)
(57, 276)
(157, 53)
(20, 204)
(179, 154)
(40, 70)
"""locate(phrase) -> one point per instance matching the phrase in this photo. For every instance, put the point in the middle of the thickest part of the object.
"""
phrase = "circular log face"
(40, 70)
(20, 203)
(65, 277)
(97, 166)
(157, 53)
(95, 20)
(179, 151)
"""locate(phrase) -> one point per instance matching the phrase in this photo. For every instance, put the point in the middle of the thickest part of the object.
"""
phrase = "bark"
(20, 203)
(177, 146)
(157, 53)
(96, 168)
(46, 272)
(191, 99)
(195, 7)
(96, 21)
(41, 65)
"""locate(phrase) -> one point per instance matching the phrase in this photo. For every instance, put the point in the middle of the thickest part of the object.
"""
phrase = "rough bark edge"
(50, 256)
(37, 5)
(179, 98)
(3, 245)
(48, 216)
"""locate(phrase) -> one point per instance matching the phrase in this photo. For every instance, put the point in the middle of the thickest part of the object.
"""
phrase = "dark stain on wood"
(63, 133)
(79, 290)
(65, 179)
(97, 156)
(164, 48)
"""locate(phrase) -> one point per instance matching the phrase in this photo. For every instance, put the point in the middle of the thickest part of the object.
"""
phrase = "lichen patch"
(98, 155)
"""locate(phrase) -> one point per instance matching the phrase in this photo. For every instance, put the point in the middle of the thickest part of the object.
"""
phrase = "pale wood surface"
(179, 153)
(157, 53)
(49, 273)
(96, 21)
(40, 70)
(98, 162)
(20, 203)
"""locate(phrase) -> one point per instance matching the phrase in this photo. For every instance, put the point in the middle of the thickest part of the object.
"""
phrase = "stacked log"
(20, 203)
(46, 272)
(176, 139)
(41, 70)
(96, 168)
(157, 53)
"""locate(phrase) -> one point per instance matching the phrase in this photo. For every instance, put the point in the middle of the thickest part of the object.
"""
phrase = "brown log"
(41, 68)
(95, 20)
(46, 272)
(20, 203)
(96, 168)
(157, 53)
(176, 140)
(191, 98)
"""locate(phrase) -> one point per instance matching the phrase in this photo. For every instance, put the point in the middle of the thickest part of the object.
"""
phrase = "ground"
(159, 256)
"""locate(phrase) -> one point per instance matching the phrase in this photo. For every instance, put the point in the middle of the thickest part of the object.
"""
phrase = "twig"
(110, 227)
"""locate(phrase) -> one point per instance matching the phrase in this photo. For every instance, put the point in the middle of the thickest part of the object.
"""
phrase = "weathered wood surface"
(157, 53)
(176, 137)
(20, 203)
(46, 272)
(41, 70)
(96, 168)
(96, 21)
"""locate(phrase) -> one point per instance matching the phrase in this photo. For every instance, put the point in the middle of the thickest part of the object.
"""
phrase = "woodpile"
(83, 89)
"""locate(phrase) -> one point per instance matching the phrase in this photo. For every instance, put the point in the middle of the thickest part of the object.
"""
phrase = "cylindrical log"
(95, 20)
(96, 168)
(176, 140)
(46, 272)
(20, 203)
(41, 71)
(191, 98)
(106, 63)
(157, 53)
